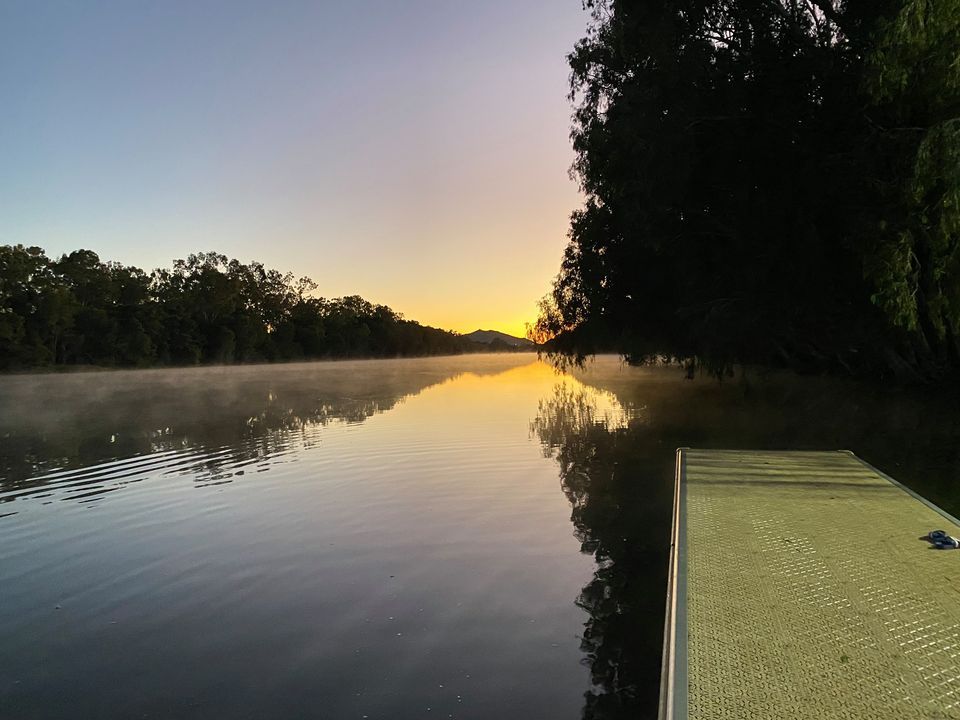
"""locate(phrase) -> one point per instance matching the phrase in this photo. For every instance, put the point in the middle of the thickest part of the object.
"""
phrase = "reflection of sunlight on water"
(619, 498)
(607, 411)
(215, 427)
(391, 492)
(220, 429)
(406, 547)
(573, 408)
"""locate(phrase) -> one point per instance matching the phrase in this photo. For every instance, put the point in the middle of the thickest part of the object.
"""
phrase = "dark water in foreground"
(472, 537)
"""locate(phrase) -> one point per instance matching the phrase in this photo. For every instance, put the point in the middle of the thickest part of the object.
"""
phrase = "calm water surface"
(473, 537)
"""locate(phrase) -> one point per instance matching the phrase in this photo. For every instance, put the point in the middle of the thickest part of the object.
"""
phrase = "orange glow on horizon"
(450, 205)
(509, 325)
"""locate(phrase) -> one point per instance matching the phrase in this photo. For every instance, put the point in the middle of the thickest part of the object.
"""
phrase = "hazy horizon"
(416, 156)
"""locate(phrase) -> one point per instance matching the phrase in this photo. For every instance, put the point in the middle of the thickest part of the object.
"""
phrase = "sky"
(414, 152)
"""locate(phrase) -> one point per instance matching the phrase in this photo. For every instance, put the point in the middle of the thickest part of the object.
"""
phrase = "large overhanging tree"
(766, 180)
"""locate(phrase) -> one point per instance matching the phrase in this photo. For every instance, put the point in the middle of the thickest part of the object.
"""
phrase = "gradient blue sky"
(415, 153)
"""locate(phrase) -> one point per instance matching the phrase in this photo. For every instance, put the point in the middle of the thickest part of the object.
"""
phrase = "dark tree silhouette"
(767, 181)
(207, 309)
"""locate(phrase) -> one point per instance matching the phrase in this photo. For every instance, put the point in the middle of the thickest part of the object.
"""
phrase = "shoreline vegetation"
(80, 313)
(766, 183)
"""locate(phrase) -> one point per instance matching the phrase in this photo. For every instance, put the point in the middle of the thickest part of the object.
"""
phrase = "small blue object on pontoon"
(940, 540)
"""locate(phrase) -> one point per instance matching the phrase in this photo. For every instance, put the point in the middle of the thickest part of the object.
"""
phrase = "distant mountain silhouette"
(489, 336)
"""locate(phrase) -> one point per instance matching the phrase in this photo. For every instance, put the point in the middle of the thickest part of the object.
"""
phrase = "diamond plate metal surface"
(810, 595)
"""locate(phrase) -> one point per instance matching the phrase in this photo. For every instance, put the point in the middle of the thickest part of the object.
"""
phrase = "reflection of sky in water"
(214, 421)
(378, 537)
(217, 426)
(367, 539)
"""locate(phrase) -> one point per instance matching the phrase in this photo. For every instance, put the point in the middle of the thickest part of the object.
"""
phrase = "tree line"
(78, 310)
(768, 181)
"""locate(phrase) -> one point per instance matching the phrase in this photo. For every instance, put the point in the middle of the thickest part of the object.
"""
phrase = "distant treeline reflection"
(207, 309)
(213, 422)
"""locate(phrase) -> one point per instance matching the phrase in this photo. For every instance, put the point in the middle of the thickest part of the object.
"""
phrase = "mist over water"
(325, 540)
(467, 537)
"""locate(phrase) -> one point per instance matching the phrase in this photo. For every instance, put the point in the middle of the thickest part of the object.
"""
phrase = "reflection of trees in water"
(223, 422)
(619, 479)
(261, 426)
(621, 516)
(214, 422)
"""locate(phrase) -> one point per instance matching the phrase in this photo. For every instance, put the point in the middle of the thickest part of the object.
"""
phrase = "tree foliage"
(206, 309)
(770, 181)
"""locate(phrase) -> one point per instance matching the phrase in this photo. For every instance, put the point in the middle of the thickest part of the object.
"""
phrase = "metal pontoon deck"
(800, 587)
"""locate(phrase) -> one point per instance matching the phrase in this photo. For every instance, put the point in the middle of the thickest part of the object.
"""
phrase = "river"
(459, 537)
